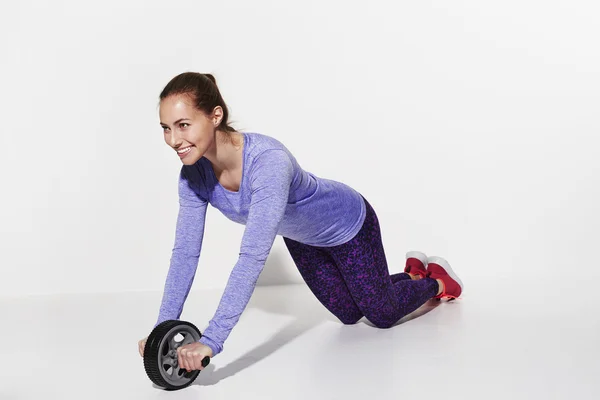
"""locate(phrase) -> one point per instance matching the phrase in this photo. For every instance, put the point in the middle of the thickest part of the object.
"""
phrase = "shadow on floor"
(307, 319)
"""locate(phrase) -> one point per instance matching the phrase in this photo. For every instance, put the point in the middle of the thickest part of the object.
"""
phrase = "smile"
(183, 151)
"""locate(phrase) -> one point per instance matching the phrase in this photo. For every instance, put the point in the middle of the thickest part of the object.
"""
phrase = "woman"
(331, 230)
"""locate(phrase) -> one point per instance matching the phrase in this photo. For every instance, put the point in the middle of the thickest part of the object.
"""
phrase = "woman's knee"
(383, 324)
(348, 319)
(383, 321)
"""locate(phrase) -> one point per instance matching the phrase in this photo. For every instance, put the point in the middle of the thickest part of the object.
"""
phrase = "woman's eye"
(181, 125)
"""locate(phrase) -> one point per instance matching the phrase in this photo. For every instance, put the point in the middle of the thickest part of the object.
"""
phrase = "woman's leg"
(402, 276)
(320, 273)
(363, 266)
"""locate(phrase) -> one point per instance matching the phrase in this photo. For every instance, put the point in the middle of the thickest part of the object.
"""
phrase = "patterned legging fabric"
(352, 280)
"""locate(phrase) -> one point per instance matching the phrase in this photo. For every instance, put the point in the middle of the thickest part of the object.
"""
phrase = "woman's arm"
(271, 176)
(189, 234)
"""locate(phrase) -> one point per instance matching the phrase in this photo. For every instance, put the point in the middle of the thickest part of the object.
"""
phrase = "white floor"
(522, 345)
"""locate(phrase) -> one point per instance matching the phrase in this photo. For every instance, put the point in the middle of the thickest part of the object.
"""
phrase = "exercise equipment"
(160, 354)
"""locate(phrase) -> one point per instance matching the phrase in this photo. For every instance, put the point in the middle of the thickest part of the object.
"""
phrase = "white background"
(472, 128)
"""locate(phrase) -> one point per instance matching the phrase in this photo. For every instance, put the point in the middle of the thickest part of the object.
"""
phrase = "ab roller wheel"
(160, 354)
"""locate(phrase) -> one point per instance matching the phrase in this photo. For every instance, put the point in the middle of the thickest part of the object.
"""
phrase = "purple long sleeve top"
(276, 197)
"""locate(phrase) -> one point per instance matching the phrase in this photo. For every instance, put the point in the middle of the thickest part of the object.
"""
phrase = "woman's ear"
(217, 115)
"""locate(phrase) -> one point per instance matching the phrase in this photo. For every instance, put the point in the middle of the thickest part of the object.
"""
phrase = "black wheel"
(160, 354)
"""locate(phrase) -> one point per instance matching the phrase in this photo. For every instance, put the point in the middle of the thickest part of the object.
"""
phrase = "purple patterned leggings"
(352, 280)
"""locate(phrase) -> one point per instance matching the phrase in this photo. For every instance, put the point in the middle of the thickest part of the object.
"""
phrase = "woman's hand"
(141, 345)
(190, 356)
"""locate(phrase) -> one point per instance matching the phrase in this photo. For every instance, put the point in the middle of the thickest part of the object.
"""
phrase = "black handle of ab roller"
(205, 361)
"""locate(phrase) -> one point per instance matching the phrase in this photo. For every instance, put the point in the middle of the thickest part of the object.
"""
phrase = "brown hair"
(204, 93)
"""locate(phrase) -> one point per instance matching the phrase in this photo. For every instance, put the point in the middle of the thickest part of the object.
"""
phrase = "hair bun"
(211, 77)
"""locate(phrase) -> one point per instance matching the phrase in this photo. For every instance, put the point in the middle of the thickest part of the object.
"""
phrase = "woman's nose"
(174, 141)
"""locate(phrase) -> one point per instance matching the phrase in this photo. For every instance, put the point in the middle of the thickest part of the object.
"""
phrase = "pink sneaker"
(416, 263)
(438, 268)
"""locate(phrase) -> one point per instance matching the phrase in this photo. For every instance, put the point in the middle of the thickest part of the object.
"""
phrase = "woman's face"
(185, 128)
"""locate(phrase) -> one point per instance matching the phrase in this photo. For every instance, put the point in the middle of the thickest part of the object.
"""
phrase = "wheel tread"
(151, 355)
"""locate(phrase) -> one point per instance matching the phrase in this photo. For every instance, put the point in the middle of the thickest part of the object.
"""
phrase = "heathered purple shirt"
(276, 197)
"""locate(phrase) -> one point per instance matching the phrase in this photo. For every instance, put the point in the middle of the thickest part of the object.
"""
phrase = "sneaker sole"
(418, 255)
(421, 257)
(446, 265)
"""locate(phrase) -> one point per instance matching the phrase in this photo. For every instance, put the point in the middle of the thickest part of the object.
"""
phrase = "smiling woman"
(330, 229)
(192, 111)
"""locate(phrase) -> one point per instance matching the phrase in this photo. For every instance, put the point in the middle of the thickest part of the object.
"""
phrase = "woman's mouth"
(184, 152)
